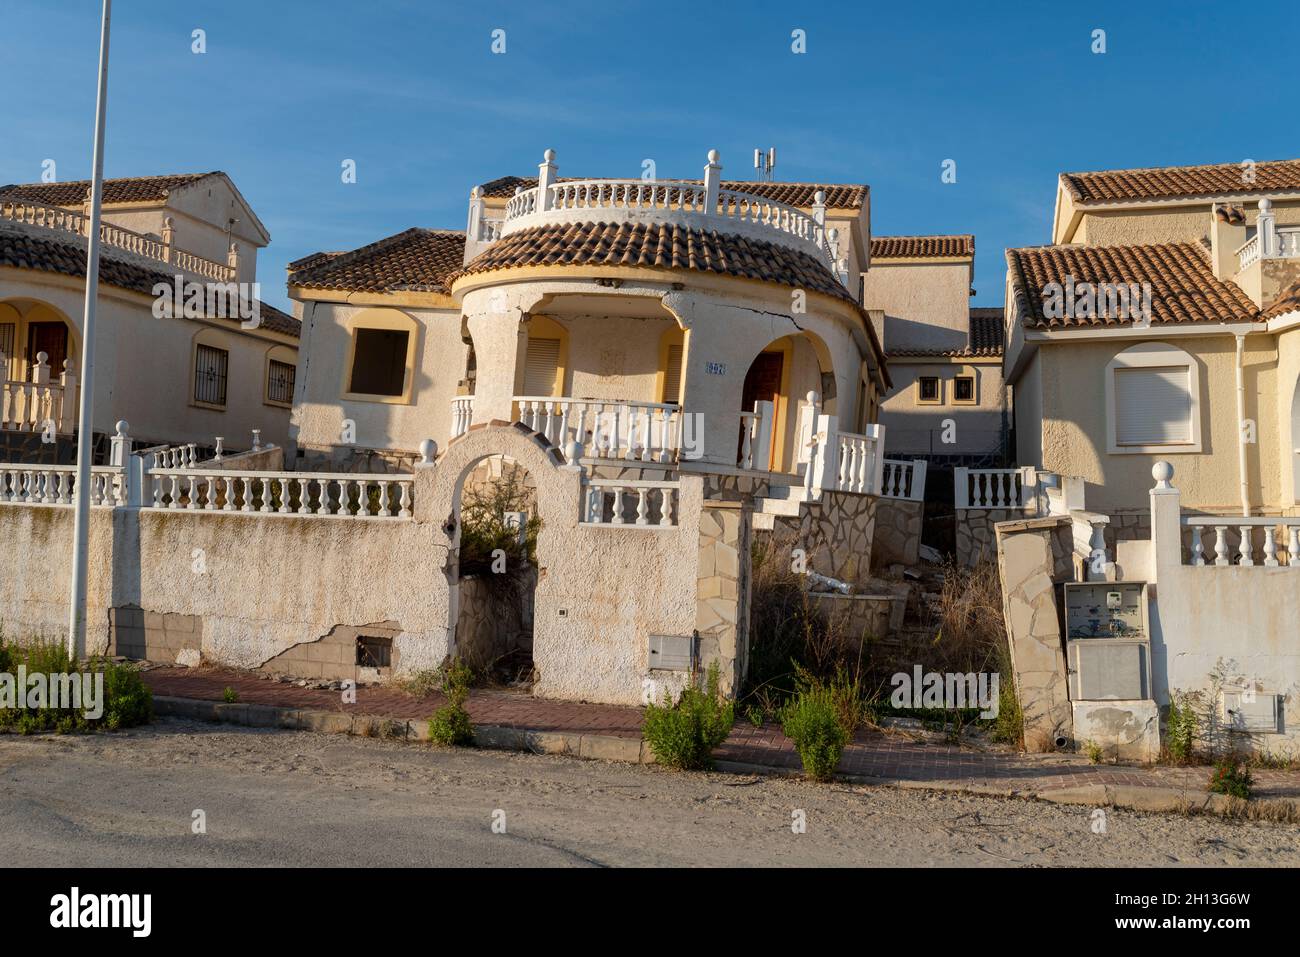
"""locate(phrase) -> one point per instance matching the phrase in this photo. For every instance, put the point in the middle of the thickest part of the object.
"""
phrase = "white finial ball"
(1162, 472)
(428, 451)
(1265, 204)
(820, 197)
(812, 397)
(122, 426)
(549, 156)
(714, 157)
(573, 451)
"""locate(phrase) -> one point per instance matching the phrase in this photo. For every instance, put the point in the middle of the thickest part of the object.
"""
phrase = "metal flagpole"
(85, 435)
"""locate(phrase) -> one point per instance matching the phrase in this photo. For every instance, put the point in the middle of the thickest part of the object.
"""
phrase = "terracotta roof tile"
(130, 189)
(415, 260)
(1287, 301)
(657, 246)
(838, 195)
(1183, 285)
(1177, 182)
(984, 339)
(24, 251)
(922, 247)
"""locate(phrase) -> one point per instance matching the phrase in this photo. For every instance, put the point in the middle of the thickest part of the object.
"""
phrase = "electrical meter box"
(1106, 610)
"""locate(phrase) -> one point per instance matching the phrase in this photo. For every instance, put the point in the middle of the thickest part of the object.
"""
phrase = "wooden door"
(52, 339)
(763, 384)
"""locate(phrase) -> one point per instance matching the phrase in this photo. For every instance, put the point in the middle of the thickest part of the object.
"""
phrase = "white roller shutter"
(673, 375)
(541, 366)
(1153, 406)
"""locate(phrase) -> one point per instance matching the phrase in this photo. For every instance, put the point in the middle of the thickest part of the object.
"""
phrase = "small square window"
(963, 389)
(374, 651)
(928, 388)
(379, 362)
(279, 382)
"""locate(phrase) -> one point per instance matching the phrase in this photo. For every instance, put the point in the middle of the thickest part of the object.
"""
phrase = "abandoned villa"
(669, 377)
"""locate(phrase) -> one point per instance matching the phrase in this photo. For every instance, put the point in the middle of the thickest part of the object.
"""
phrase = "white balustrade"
(56, 485)
(629, 504)
(462, 414)
(995, 488)
(905, 480)
(175, 456)
(119, 237)
(609, 429)
(704, 204)
(756, 437)
(318, 494)
(1210, 543)
(1248, 252)
(861, 459)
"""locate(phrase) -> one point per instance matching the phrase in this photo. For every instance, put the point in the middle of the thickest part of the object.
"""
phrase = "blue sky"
(411, 91)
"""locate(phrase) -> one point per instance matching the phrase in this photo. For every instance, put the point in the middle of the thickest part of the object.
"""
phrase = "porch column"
(500, 348)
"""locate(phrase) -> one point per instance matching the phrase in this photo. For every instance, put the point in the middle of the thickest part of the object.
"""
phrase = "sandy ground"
(297, 798)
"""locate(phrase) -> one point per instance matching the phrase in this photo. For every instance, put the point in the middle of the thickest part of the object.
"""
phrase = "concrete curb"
(593, 747)
(607, 747)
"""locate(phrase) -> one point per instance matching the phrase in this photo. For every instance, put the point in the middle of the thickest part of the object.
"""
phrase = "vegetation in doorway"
(450, 724)
(683, 734)
(127, 700)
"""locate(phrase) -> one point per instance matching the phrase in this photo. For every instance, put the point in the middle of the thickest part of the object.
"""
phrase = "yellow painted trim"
(381, 319)
(673, 336)
(966, 373)
(936, 401)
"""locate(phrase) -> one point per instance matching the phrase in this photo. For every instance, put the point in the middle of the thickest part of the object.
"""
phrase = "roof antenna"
(765, 164)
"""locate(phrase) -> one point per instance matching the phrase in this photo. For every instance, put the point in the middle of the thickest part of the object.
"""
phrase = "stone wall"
(1029, 559)
(836, 533)
(975, 534)
(722, 589)
(897, 538)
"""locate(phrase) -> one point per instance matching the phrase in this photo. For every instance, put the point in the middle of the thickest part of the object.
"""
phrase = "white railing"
(462, 414)
(609, 429)
(861, 461)
(489, 230)
(995, 488)
(284, 493)
(756, 437)
(1220, 552)
(904, 480)
(629, 504)
(1248, 252)
(1288, 243)
(703, 204)
(56, 484)
(37, 405)
(119, 237)
(174, 456)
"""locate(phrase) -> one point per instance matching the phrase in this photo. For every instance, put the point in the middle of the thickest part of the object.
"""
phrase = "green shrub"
(683, 735)
(1095, 752)
(813, 722)
(450, 724)
(1181, 728)
(127, 700)
(1231, 777)
(230, 695)
(754, 715)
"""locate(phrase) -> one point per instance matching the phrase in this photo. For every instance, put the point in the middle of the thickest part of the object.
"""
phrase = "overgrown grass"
(127, 700)
(812, 720)
(683, 734)
(450, 725)
(1231, 777)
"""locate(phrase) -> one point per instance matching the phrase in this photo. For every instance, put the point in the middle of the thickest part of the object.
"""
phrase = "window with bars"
(211, 370)
(279, 382)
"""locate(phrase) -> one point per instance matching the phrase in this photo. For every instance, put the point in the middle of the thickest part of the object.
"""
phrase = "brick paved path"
(890, 756)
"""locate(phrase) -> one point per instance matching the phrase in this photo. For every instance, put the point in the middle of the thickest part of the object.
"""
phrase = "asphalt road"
(280, 798)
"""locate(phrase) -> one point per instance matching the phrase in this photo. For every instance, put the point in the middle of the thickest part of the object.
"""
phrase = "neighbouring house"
(948, 404)
(1164, 323)
(668, 372)
(1155, 352)
(207, 360)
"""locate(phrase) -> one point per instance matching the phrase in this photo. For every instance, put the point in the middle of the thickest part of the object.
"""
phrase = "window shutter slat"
(673, 375)
(541, 366)
(1153, 406)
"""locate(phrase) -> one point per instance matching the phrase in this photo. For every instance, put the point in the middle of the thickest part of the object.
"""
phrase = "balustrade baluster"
(1221, 545)
(1198, 551)
(1270, 546)
(1245, 548)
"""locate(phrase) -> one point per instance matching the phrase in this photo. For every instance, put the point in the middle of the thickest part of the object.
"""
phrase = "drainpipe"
(1241, 425)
